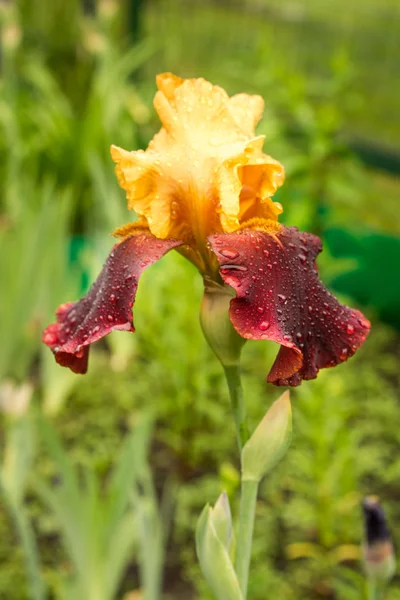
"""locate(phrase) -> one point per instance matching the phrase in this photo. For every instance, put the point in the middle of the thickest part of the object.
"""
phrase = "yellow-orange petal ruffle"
(205, 171)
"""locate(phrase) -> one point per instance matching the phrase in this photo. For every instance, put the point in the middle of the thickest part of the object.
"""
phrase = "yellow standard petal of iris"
(204, 172)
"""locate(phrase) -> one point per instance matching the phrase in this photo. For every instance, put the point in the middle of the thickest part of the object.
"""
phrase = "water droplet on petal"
(282, 298)
(260, 309)
(363, 323)
(110, 318)
(226, 268)
(350, 329)
(264, 325)
(49, 338)
(344, 354)
(228, 253)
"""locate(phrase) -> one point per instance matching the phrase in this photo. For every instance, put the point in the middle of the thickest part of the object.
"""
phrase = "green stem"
(232, 374)
(248, 500)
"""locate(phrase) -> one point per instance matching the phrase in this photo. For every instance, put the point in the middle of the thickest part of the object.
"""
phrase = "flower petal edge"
(108, 304)
(279, 297)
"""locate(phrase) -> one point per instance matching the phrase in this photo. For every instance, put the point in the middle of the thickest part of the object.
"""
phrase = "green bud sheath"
(216, 324)
(269, 442)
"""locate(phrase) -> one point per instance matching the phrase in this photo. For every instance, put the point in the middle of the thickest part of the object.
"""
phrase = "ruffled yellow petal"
(204, 172)
(247, 111)
(251, 172)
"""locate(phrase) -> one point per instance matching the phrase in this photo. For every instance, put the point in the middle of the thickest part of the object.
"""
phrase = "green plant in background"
(18, 459)
(98, 527)
(308, 548)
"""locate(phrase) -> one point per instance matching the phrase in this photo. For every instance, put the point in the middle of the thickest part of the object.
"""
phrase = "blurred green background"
(103, 477)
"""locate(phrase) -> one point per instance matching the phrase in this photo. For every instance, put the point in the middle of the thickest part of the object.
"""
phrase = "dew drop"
(110, 318)
(350, 329)
(228, 253)
(113, 298)
(50, 338)
(264, 325)
(363, 323)
(344, 354)
(227, 268)
(282, 298)
(260, 309)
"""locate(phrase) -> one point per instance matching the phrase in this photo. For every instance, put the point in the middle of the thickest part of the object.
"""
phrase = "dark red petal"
(108, 304)
(279, 297)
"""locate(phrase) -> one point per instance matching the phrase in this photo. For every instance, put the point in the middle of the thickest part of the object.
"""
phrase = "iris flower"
(203, 187)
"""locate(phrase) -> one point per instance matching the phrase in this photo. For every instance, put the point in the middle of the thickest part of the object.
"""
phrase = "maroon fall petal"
(108, 304)
(279, 297)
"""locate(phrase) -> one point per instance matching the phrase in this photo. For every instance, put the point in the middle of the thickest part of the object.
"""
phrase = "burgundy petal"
(279, 297)
(108, 304)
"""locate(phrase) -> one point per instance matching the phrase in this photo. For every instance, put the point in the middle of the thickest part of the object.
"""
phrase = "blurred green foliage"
(84, 514)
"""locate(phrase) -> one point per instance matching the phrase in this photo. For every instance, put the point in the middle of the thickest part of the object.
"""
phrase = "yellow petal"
(189, 182)
(252, 172)
(247, 111)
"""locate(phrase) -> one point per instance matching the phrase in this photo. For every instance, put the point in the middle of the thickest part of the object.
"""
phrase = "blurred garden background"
(103, 476)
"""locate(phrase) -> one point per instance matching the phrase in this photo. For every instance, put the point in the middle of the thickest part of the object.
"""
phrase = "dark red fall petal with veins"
(279, 297)
(108, 304)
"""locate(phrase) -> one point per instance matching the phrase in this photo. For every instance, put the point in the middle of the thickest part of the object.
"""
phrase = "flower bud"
(377, 549)
(269, 441)
(222, 520)
(216, 324)
(213, 540)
